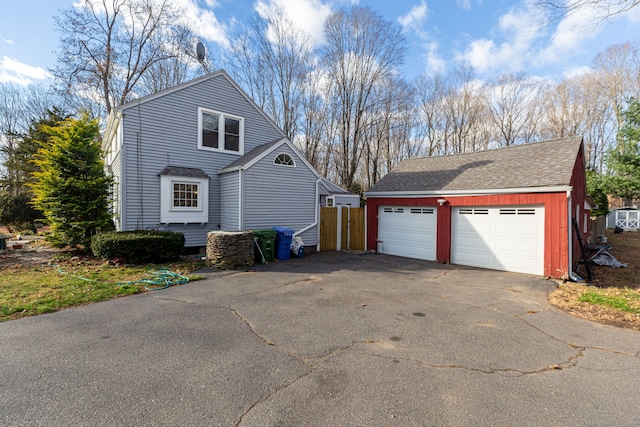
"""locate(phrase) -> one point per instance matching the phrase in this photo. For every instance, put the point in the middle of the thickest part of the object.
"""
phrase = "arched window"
(284, 159)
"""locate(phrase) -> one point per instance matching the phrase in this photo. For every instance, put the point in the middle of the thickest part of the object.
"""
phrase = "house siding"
(266, 206)
(578, 195)
(229, 201)
(163, 131)
(556, 222)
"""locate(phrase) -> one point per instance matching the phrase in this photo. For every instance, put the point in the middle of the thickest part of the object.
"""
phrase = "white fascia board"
(226, 170)
(113, 123)
(417, 194)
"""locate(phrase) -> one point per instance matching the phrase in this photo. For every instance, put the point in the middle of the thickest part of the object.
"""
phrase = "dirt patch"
(626, 248)
(30, 251)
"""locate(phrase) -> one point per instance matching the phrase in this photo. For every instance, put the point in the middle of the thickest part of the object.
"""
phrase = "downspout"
(572, 276)
(316, 204)
(240, 197)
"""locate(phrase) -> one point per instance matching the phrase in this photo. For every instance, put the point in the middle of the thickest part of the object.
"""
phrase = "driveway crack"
(285, 350)
(173, 299)
(571, 362)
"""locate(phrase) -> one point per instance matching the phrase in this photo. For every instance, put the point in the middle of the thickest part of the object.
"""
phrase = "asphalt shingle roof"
(251, 155)
(539, 164)
(181, 171)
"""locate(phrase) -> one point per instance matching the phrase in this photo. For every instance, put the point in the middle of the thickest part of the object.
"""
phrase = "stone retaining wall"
(230, 250)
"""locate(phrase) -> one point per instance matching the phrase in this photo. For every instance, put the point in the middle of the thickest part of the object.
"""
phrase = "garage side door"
(499, 238)
(407, 231)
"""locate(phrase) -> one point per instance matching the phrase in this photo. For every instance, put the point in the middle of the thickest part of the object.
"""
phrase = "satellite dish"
(200, 51)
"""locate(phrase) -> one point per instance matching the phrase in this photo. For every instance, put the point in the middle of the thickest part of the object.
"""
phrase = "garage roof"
(539, 164)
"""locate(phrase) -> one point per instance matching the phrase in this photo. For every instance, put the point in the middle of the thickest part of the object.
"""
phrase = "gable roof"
(535, 165)
(220, 73)
(328, 188)
(261, 151)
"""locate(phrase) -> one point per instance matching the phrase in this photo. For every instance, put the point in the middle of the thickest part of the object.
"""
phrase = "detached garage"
(508, 209)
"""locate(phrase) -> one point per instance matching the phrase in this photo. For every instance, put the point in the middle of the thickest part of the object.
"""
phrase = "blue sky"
(493, 36)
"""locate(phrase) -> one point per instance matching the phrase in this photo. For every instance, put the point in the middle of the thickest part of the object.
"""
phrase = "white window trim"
(221, 133)
(183, 215)
(282, 164)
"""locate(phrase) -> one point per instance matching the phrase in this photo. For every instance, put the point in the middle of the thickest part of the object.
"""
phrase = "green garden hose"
(157, 279)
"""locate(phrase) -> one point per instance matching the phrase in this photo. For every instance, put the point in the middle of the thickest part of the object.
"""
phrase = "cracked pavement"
(331, 339)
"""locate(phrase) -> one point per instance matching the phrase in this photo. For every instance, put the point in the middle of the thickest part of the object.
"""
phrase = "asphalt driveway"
(326, 340)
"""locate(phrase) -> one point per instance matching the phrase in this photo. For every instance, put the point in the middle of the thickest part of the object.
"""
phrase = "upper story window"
(220, 132)
(284, 159)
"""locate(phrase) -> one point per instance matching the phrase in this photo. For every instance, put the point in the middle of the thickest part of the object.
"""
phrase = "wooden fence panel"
(352, 231)
(356, 228)
(328, 229)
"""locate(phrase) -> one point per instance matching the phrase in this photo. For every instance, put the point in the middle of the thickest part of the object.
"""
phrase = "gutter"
(316, 213)
(479, 192)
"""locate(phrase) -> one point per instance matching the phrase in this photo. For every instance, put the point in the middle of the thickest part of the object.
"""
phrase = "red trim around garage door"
(556, 258)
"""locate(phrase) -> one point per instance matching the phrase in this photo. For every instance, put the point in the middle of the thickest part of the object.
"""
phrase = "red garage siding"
(556, 224)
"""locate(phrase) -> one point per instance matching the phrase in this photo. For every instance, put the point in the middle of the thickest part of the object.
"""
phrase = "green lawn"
(28, 291)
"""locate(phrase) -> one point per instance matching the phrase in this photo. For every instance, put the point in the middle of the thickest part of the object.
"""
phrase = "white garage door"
(407, 231)
(499, 238)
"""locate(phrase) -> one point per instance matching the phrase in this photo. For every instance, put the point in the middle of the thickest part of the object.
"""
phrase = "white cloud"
(7, 41)
(577, 71)
(204, 22)
(464, 4)
(433, 61)
(571, 34)
(14, 71)
(308, 15)
(415, 18)
(520, 30)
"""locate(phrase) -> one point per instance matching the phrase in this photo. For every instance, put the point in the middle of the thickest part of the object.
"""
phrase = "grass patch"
(26, 291)
(626, 300)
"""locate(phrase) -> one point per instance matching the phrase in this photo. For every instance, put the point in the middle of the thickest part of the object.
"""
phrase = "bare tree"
(512, 100)
(183, 66)
(601, 9)
(361, 51)
(273, 59)
(388, 139)
(430, 117)
(618, 68)
(19, 107)
(317, 127)
(465, 114)
(108, 46)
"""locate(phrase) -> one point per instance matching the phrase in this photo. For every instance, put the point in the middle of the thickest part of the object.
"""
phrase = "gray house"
(202, 156)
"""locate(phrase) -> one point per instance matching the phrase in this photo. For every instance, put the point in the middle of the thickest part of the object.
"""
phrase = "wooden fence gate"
(342, 228)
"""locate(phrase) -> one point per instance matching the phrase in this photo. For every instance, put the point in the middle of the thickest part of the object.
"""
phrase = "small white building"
(627, 218)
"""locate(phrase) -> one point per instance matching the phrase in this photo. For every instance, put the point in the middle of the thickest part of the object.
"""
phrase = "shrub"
(17, 213)
(138, 247)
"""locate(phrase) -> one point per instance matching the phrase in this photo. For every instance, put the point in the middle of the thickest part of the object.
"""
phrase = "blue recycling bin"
(283, 242)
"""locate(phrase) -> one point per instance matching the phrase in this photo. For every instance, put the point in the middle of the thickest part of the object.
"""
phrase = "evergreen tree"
(16, 210)
(597, 190)
(70, 187)
(624, 160)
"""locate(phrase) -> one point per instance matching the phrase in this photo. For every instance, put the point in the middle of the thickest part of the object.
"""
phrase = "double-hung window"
(220, 131)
